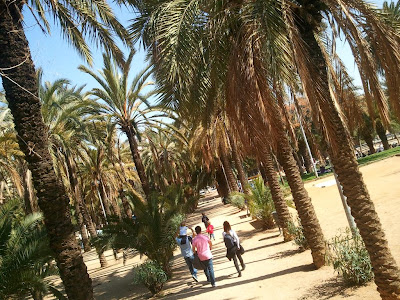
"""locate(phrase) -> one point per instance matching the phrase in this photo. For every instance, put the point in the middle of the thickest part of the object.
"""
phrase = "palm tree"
(10, 156)
(291, 27)
(302, 31)
(77, 21)
(123, 103)
(392, 12)
(233, 71)
(26, 259)
(65, 111)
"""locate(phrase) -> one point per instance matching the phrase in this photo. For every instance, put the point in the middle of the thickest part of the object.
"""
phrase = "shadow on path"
(198, 290)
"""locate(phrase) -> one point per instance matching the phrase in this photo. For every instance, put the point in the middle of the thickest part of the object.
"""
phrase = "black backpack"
(229, 241)
(184, 238)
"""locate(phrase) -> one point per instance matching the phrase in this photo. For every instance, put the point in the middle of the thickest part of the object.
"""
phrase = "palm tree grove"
(152, 148)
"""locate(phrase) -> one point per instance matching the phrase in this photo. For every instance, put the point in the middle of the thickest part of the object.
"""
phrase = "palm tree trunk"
(92, 231)
(222, 184)
(305, 209)
(21, 87)
(387, 276)
(277, 196)
(298, 161)
(137, 160)
(125, 204)
(307, 159)
(228, 171)
(75, 190)
(28, 193)
(381, 131)
(104, 198)
(238, 163)
(115, 206)
(370, 143)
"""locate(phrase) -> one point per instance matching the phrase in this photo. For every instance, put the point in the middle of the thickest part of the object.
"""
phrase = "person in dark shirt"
(205, 220)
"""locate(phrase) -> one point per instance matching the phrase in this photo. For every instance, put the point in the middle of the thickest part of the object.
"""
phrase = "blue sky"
(58, 59)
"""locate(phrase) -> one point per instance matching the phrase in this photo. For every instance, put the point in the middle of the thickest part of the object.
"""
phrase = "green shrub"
(237, 199)
(297, 231)
(261, 204)
(350, 258)
(151, 275)
(26, 259)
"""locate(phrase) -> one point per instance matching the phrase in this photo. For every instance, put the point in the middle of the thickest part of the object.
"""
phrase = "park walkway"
(274, 269)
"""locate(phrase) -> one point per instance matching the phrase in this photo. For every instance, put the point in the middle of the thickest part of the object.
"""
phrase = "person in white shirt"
(232, 244)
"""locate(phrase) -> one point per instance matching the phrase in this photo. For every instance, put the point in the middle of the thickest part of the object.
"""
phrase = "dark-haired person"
(202, 244)
(204, 219)
(232, 245)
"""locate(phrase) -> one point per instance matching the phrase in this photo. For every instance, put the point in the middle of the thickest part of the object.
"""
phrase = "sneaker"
(240, 275)
(214, 285)
(194, 276)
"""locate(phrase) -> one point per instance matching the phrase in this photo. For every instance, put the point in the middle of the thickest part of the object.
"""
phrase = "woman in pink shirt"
(202, 244)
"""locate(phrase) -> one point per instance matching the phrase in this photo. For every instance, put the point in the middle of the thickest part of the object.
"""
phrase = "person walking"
(184, 242)
(202, 244)
(204, 219)
(233, 246)
(210, 230)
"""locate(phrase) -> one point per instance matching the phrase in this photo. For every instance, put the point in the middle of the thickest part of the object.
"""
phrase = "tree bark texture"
(370, 143)
(104, 198)
(76, 192)
(21, 88)
(238, 163)
(137, 160)
(381, 131)
(305, 209)
(222, 184)
(306, 156)
(277, 196)
(125, 204)
(29, 193)
(228, 171)
(298, 161)
(92, 231)
(387, 276)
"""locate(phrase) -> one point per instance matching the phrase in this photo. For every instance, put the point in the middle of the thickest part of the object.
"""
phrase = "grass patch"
(361, 161)
(378, 156)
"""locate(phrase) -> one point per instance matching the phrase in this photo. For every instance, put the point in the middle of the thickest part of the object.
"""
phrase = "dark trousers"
(235, 257)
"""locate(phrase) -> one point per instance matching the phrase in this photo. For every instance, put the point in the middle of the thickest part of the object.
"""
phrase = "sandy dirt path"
(274, 270)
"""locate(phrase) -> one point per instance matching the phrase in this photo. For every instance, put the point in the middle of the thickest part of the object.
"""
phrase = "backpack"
(184, 238)
(229, 241)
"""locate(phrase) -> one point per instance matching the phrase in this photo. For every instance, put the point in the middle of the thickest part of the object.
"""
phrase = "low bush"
(297, 231)
(350, 258)
(261, 204)
(238, 200)
(151, 275)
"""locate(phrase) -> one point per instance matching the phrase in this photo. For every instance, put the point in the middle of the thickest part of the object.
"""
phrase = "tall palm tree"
(305, 24)
(291, 34)
(123, 102)
(211, 54)
(64, 111)
(86, 19)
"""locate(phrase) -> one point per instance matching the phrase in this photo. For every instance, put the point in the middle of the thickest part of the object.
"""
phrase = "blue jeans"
(209, 270)
(189, 262)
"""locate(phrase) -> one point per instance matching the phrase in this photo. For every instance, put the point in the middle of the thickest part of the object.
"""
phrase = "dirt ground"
(274, 270)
